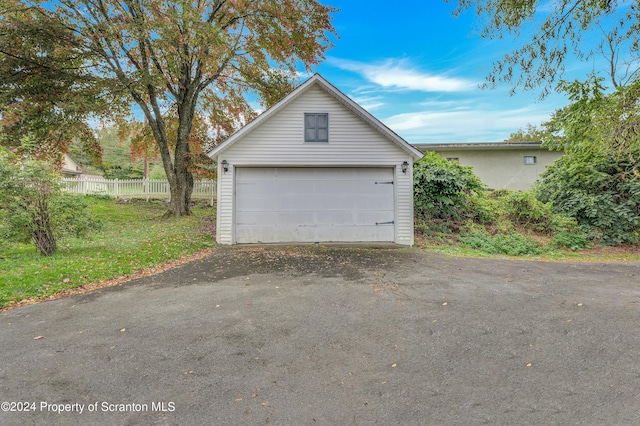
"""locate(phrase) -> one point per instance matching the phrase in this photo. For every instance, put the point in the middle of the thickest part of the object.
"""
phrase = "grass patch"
(134, 237)
(481, 242)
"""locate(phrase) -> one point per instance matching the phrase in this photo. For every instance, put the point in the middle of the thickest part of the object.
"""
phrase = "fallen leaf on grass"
(113, 281)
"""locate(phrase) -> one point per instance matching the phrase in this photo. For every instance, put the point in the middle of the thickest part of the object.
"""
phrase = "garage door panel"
(313, 218)
(310, 233)
(374, 217)
(314, 204)
(252, 174)
(266, 201)
(252, 218)
(367, 202)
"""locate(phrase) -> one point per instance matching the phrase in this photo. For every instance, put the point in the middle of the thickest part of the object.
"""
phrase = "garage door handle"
(384, 183)
(385, 223)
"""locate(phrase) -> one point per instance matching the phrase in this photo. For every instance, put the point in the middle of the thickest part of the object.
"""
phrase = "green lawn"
(134, 237)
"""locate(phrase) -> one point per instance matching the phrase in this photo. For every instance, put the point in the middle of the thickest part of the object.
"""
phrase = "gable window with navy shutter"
(316, 127)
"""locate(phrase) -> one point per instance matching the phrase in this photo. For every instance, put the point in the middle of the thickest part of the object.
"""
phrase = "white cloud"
(463, 124)
(368, 102)
(400, 75)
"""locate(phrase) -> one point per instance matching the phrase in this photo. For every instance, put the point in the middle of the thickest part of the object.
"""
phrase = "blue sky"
(418, 68)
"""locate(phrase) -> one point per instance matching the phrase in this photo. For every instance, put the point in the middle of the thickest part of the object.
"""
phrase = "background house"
(500, 165)
(316, 167)
(69, 167)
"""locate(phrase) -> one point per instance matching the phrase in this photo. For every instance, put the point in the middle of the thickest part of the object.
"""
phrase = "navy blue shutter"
(316, 127)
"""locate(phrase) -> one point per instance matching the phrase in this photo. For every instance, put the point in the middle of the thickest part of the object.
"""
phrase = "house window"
(316, 127)
(454, 159)
(529, 159)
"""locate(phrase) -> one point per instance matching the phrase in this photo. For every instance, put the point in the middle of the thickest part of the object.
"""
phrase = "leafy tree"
(46, 89)
(597, 181)
(531, 134)
(142, 143)
(33, 207)
(555, 31)
(117, 163)
(144, 147)
(442, 188)
(205, 55)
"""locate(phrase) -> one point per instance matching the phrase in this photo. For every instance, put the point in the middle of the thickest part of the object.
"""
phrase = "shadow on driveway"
(333, 335)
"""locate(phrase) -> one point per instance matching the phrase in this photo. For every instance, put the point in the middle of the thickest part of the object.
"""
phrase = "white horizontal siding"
(404, 206)
(224, 214)
(279, 141)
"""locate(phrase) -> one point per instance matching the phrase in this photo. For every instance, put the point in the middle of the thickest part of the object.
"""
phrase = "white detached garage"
(315, 167)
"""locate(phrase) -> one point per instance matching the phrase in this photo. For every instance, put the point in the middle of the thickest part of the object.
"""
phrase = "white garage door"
(314, 205)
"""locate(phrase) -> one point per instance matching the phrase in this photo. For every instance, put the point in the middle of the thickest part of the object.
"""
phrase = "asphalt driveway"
(330, 335)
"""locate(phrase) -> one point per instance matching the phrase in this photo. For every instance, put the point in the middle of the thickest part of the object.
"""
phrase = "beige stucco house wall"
(499, 165)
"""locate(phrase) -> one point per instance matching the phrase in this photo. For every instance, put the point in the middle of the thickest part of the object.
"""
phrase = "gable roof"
(319, 81)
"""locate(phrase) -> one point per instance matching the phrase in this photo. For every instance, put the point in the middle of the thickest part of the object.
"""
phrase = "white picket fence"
(136, 188)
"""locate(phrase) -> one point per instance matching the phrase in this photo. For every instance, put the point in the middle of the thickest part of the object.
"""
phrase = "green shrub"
(71, 216)
(524, 209)
(512, 244)
(442, 188)
(484, 210)
(601, 193)
(571, 241)
(597, 180)
(33, 206)
(504, 208)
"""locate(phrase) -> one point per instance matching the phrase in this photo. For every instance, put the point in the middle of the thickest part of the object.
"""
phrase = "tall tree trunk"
(180, 192)
(181, 195)
(178, 175)
(42, 234)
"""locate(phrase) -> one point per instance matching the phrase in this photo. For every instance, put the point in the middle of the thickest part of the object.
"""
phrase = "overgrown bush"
(33, 206)
(597, 180)
(519, 208)
(524, 209)
(601, 193)
(505, 212)
(442, 188)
